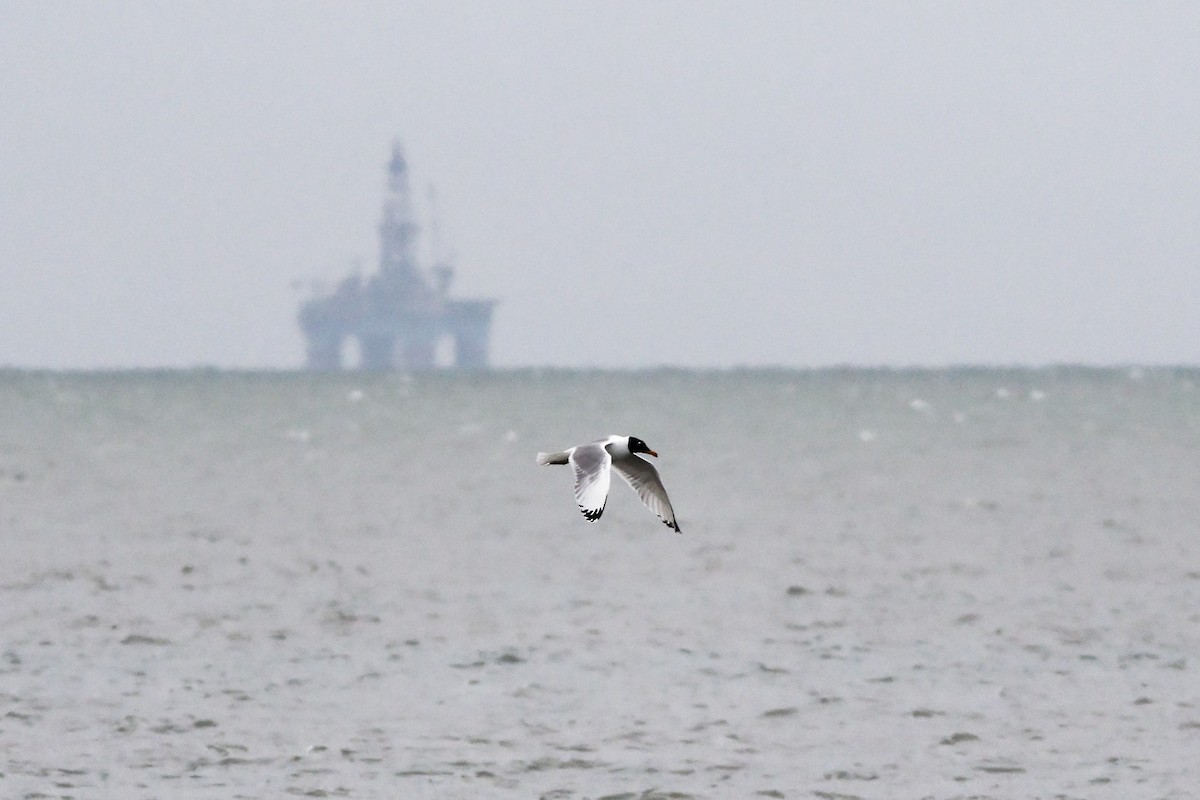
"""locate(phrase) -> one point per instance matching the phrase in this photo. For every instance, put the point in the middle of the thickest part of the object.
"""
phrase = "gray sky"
(699, 184)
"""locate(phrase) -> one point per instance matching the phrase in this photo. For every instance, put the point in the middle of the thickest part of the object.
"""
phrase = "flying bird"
(594, 463)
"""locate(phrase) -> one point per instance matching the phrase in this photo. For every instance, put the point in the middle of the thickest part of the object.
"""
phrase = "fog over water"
(723, 184)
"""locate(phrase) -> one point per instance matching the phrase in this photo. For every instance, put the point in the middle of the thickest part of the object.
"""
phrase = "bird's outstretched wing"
(643, 477)
(592, 475)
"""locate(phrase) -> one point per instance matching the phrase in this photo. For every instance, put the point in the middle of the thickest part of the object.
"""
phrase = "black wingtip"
(591, 514)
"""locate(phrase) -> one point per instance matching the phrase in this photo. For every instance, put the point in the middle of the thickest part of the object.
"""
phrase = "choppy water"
(978, 583)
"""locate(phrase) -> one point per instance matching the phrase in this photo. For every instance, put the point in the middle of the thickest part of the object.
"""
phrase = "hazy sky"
(700, 184)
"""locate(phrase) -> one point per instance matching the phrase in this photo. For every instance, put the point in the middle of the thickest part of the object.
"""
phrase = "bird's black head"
(636, 445)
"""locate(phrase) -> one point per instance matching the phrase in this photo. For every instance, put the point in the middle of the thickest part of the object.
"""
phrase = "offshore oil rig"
(400, 315)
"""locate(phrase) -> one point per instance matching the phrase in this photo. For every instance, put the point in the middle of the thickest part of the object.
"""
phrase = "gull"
(592, 464)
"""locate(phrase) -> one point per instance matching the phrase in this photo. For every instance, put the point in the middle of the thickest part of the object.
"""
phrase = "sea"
(946, 583)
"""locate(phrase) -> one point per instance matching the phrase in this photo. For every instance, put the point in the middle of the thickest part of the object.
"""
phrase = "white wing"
(592, 476)
(643, 477)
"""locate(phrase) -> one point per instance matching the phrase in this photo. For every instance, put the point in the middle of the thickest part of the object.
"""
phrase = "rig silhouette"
(401, 314)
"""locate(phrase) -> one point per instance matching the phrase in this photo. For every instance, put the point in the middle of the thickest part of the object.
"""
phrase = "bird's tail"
(552, 458)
